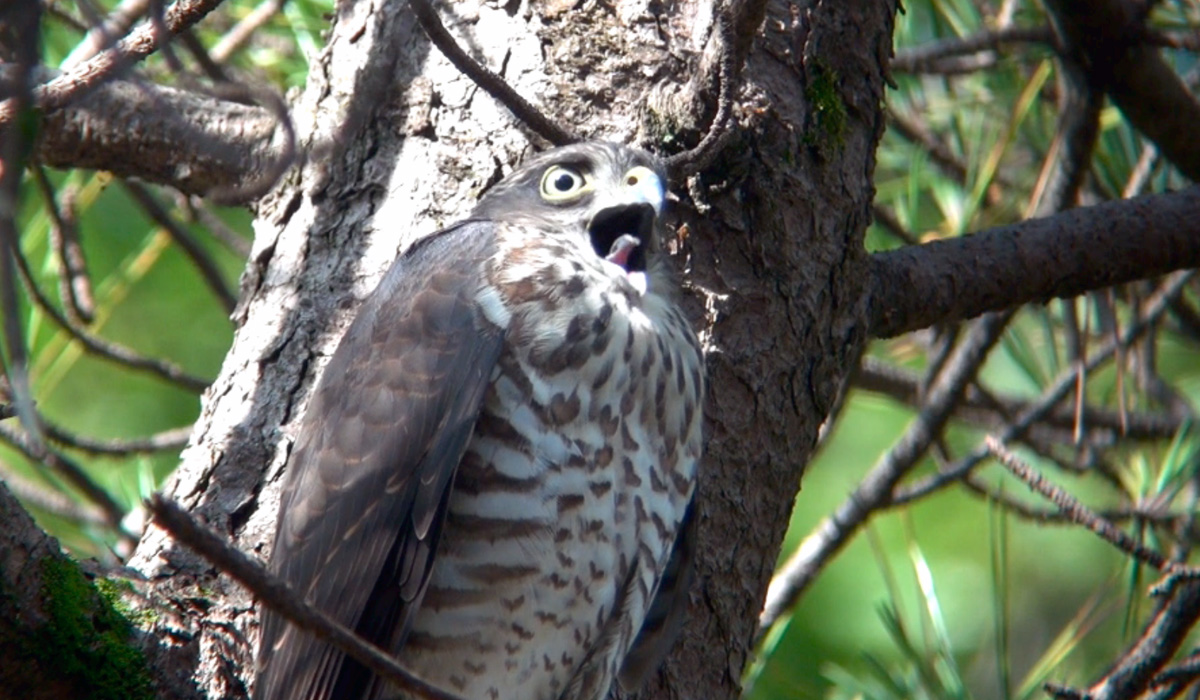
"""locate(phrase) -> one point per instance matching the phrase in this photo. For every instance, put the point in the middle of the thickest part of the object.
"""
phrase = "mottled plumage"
(496, 465)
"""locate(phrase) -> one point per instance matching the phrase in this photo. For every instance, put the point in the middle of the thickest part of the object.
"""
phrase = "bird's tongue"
(622, 248)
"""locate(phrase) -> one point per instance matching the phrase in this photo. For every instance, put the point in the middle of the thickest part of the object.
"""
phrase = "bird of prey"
(493, 478)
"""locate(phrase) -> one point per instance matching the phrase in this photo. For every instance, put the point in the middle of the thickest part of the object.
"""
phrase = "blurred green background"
(951, 597)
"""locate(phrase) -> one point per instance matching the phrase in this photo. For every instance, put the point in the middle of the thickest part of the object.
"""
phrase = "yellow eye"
(560, 182)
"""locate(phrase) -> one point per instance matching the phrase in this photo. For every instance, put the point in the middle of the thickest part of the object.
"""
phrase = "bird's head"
(609, 197)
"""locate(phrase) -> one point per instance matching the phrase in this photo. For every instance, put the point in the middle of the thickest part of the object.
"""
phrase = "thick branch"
(1036, 260)
(1147, 91)
(190, 141)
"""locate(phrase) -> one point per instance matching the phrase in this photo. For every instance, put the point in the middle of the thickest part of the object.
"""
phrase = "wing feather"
(664, 618)
(365, 493)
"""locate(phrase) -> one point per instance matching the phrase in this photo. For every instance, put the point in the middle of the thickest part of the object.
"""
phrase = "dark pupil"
(564, 183)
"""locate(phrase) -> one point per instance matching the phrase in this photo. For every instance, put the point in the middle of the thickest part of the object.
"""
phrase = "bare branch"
(1148, 92)
(928, 57)
(74, 474)
(241, 32)
(1058, 256)
(172, 439)
(914, 131)
(888, 222)
(192, 142)
(105, 33)
(696, 159)
(1054, 516)
(1159, 641)
(84, 78)
(23, 22)
(1074, 510)
(104, 348)
(491, 83)
(212, 275)
(56, 503)
(875, 489)
(75, 287)
(1078, 128)
(197, 210)
(1151, 311)
(904, 385)
(280, 597)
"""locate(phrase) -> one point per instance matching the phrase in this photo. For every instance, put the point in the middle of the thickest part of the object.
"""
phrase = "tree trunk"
(396, 143)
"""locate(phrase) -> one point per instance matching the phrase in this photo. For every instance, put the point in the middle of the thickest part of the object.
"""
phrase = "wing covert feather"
(365, 491)
(665, 616)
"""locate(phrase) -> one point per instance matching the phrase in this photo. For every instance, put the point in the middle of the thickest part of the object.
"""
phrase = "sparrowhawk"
(494, 475)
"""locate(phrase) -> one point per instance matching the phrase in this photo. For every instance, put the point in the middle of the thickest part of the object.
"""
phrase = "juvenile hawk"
(499, 459)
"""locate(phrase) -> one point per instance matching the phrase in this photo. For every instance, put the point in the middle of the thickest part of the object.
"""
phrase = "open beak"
(621, 233)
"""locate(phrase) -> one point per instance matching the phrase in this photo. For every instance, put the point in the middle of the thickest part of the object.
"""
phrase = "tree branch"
(98, 70)
(190, 141)
(983, 409)
(279, 596)
(1036, 260)
(928, 57)
(835, 531)
(1110, 36)
(491, 83)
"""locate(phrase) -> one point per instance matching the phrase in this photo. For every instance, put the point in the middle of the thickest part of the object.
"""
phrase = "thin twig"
(77, 82)
(22, 23)
(107, 349)
(922, 58)
(1052, 516)
(55, 502)
(1178, 676)
(210, 68)
(959, 65)
(1075, 511)
(1151, 311)
(162, 37)
(696, 159)
(980, 406)
(491, 83)
(240, 34)
(887, 220)
(105, 33)
(280, 597)
(1062, 692)
(75, 285)
(197, 210)
(1155, 647)
(61, 15)
(67, 468)
(875, 489)
(171, 439)
(918, 134)
(212, 274)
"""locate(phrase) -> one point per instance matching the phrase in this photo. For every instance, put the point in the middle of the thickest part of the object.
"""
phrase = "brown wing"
(365, 491)
(665, 616)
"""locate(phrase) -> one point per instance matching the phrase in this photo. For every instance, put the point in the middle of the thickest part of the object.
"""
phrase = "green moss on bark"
(828, 117)
(86, 640)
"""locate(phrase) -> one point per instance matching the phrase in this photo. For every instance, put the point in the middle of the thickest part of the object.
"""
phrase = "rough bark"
(394, 142)
(61, 639)
(136, 129)
(1108, 36)
(397, 143)
(1037, 260)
